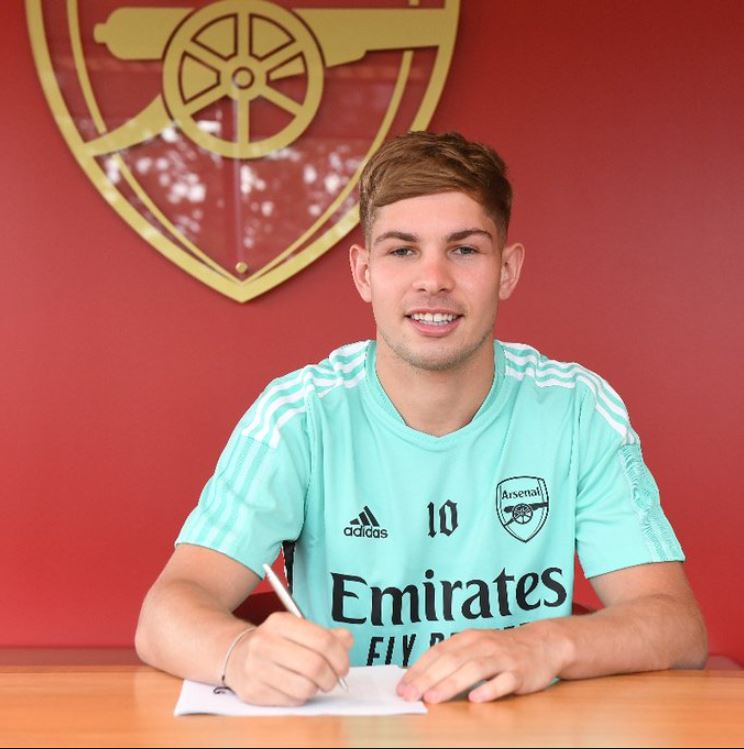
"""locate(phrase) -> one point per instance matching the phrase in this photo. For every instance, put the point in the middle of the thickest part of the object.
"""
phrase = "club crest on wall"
(231, 135)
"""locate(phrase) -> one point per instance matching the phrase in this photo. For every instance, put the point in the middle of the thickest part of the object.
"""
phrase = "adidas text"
(368, 532)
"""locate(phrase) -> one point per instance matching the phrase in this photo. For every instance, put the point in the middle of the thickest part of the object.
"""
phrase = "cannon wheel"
(241, 65)
(522, 514)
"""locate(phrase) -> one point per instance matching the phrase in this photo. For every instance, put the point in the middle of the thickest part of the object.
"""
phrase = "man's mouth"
(434, 324)
(434, 318)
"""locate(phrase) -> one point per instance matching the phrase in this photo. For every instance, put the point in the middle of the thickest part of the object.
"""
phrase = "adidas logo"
(365, 526)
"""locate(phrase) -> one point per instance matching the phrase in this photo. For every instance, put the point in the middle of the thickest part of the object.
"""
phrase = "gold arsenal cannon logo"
(231, 135)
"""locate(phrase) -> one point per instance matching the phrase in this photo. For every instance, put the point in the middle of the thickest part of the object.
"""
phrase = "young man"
(435, 484)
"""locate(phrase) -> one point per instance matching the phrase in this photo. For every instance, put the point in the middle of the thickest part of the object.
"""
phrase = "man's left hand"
(515, 661)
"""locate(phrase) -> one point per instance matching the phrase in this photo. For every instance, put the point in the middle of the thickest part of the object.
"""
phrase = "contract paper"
(371, 692)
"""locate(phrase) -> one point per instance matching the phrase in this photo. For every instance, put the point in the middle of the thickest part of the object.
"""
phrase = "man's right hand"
(287, 660)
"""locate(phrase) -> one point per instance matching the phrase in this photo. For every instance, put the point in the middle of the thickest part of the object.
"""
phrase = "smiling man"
(434, 273)
(430, 487)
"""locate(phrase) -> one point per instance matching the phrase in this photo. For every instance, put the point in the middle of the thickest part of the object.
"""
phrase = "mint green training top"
(406, 538)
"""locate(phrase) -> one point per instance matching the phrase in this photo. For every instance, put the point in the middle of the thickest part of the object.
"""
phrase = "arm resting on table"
(186, 625)
(187, 628)
(651, 621)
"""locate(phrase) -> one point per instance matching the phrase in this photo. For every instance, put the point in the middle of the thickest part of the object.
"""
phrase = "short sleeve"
(619, 520)
(255, 499)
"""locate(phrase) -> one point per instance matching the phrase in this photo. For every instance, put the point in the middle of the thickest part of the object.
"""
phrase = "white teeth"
(436, 318)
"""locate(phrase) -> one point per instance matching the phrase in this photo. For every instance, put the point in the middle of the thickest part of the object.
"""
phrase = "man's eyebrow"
(454, 237)
(402, 235)
(465, 233)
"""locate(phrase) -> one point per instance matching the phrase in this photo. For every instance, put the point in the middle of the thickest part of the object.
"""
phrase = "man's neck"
(436, 402)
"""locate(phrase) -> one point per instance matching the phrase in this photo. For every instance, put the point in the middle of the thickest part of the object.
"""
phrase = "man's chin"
(438, 355)
(433, 358)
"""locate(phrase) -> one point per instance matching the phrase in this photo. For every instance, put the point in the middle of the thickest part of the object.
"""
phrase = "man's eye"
(401, 251)
(466, 249)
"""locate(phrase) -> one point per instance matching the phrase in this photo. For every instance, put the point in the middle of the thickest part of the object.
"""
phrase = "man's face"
(434, 272)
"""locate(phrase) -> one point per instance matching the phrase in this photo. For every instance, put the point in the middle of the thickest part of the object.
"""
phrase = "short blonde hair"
(424, 163)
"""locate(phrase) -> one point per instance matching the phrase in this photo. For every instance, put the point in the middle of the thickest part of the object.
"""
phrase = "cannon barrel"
(347, 35)
(139, 33)
(343, 35)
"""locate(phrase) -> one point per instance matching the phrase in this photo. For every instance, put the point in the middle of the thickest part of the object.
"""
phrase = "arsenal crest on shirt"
(522, 505)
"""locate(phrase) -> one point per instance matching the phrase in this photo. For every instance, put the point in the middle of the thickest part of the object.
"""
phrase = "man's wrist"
(558, 640)
(230, 652)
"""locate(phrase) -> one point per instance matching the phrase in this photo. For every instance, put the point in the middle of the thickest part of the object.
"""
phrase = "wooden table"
(107, 698)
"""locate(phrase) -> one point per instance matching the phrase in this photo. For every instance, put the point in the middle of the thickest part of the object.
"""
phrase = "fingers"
(287, 660)
(277, 685)
(332, 645)
(435, 665)
(459, 664)
(501, 685)
(448, 676)
(294, 690)
(347, 639)
(448, 680)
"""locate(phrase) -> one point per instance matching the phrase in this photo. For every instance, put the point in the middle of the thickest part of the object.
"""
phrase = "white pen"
(289, 604)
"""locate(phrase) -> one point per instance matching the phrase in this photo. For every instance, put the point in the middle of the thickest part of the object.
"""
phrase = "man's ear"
(512, 258)
(359, 261)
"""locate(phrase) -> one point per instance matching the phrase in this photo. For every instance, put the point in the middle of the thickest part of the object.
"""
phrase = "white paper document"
(371, 692)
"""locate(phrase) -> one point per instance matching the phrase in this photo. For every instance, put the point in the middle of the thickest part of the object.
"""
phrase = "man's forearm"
(184, 631)
(649, 633)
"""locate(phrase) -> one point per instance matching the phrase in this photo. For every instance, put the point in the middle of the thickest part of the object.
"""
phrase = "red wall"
(122, 377)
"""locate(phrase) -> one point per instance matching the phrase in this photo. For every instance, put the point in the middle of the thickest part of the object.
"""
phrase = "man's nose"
(434, 275)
